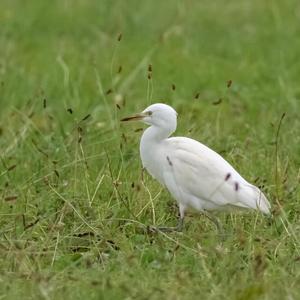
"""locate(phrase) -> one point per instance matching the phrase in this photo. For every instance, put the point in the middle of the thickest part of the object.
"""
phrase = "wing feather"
(203, 174)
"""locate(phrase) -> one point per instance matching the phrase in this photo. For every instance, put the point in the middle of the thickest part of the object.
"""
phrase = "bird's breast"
(151, 156)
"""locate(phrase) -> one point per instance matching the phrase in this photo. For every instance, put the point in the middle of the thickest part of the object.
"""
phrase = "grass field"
(74, 205)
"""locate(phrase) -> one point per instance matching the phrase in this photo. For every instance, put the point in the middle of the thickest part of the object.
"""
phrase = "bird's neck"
(155, 134)
(150, 145)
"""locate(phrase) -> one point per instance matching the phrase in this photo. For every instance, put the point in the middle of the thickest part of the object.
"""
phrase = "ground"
(74, 203)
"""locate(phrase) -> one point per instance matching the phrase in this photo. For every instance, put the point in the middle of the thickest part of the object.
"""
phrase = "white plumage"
(195, 175)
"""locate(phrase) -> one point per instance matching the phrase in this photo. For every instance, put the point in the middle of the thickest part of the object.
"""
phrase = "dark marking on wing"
(236, 186)
(169, 161)
(228, 175)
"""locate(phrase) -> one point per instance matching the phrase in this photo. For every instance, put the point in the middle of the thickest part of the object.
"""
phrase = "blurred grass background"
(73, 203)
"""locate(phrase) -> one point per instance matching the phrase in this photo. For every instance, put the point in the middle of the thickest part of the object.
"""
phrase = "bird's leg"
(181, 216)
(216, 222)
(179, 226)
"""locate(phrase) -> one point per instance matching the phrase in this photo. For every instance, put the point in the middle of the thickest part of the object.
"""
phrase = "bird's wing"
(204, 174)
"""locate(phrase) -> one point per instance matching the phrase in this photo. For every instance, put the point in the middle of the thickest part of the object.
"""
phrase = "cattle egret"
(195, 175)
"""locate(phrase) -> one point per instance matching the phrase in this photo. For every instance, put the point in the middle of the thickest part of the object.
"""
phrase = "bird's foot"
(177, 228)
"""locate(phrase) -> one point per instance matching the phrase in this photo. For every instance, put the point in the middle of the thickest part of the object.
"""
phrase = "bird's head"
(159, 115)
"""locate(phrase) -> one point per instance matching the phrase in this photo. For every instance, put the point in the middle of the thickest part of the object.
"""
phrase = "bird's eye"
(149, 113)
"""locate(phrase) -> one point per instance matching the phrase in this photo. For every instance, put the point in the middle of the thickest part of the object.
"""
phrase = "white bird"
(195, 175)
